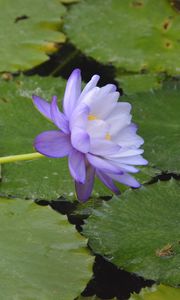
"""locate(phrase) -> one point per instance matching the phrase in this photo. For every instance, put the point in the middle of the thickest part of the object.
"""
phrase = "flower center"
(108, 137)
(92, 117)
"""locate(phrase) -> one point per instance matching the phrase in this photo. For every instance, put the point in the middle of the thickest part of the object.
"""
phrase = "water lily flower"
(95, 132)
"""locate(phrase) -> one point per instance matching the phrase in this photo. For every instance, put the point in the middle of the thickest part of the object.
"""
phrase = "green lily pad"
(127, 34)
(140, 231)
(85, 210)
(41, 255)
(160, 292)
(20, 122)
(157, 114)
(137, 83)
(29, 32)
(146, 173)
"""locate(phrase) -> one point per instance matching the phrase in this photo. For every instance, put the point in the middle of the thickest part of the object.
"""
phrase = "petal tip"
(95, 77)
(144, 162)
(117, 192)
(76, 72)
(136, 185)
(35, 98)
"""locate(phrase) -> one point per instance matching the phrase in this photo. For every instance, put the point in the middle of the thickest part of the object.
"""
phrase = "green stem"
(14, 158)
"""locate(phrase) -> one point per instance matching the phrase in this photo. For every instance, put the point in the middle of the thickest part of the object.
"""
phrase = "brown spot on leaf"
(167, 250)
(168, 44)
(7, 76)
(21, 18)
(167, 23)
(144, 68)
(137, 3)
(2, 99)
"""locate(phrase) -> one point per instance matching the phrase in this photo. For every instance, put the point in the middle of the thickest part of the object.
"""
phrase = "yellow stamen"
(108, 137)
(92, 117)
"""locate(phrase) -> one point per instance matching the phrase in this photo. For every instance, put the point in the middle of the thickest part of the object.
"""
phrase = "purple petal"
(126, 179)
(80, 140)
(53, 144)
(103, 147)
(77, 166)
(79, 117)
(43, 106)
(72, 92)
(59, 118)
(107, 181)
(83, 191)
(102, 164)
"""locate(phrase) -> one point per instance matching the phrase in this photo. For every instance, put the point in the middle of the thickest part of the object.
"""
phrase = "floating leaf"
(127, 34)
(160, 292)
(136, 83)
(157, 114)
(140, 231)
(42, 255)
(85, 210)
(29, 32)
(146, 173)
(20, 123)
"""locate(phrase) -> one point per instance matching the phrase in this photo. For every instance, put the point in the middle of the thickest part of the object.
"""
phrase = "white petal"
(133, 160)
(89, 86)
(119, 117)
(118, 122)
(100, 105)
(102, 147)
(127, 137)
(125, 152)
(103, 106)
(90, 96)
(97, 129)
(124, 107)
(108, 88)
